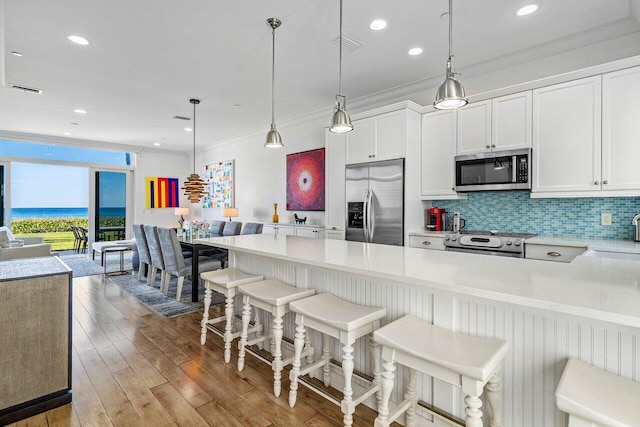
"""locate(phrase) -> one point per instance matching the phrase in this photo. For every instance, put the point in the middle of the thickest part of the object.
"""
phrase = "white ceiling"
(148, 57)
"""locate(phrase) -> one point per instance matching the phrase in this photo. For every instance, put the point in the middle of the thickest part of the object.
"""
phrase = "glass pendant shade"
(273, 138)
(194, 185)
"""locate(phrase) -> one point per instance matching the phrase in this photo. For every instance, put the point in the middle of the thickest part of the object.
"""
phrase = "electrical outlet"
(605, 219)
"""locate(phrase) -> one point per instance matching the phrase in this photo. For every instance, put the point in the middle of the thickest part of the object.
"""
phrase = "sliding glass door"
(110, 208)
(2, 216)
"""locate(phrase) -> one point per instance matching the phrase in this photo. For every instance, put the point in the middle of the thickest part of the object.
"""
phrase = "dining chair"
(216, 227)
(155, 255)
(232, 228)
(176, 265)
(76, 238)
(143, 251)
(252, 228)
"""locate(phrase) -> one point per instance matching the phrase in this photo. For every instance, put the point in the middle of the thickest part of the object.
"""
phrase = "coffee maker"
(436, 219)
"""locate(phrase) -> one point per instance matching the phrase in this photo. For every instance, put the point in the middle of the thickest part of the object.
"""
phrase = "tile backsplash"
(515, 211)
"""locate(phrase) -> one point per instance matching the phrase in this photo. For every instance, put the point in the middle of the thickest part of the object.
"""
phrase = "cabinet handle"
(487, 146)
(493, 145)
(333, 228)
(453, 188)
(554, 254)
(596, 183)
(605, 182)
(426, 243)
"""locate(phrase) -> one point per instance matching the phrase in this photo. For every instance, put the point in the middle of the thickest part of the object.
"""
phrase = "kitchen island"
(588, 310)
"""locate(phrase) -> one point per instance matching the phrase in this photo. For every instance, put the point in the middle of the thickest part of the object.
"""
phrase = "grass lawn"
(59, 241)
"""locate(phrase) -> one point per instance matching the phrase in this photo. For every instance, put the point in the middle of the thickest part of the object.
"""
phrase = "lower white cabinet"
(426, 242)
(287, 230)
(314, 232)
(553, 252)
(334, 234)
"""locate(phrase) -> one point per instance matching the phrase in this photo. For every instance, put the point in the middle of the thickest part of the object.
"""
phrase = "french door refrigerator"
(375, 202)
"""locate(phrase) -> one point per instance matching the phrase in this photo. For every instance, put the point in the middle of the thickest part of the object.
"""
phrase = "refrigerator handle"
(365, 215)
(372, 216)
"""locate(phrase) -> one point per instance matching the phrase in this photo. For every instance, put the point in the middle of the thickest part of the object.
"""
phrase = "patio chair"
(84, 239)
(175, 264)
(143, 251)
(155, 255)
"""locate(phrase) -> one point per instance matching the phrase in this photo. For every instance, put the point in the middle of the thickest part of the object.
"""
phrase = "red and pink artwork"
(305, 181)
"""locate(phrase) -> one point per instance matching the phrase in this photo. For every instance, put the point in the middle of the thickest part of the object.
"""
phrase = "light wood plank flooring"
(132, 367)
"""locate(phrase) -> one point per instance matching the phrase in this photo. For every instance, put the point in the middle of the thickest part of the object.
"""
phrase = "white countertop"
(596, 288)
(628, 246)
(429, 233)
(291, 224)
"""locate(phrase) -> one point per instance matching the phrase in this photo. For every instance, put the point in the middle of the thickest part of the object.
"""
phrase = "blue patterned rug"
(165, 305)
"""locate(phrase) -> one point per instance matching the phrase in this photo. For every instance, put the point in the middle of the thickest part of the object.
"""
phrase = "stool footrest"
(216, 320)
(397, 411)
(319, 391)
(305, 353)
(309, 368)
(256, 340)
(368, 392)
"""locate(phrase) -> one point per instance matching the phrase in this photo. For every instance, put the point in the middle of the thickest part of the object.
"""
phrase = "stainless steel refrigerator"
(375, 202)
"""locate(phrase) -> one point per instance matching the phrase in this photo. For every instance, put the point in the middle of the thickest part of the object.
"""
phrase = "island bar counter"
(589, 309)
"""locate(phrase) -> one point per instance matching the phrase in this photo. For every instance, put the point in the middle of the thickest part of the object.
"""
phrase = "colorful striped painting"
(162, 192)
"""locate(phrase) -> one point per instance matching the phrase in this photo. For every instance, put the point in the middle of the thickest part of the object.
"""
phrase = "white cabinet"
(314, 232)
(335, 199)
(555, 253)
(282, 229)
(380, 137)
(621, 130)
(567, 137)
(426, 242)
(438, 151)
(502, 123)
(334, 234)
(474, 128)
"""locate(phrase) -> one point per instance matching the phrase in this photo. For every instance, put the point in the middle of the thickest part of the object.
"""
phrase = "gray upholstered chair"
(216, 227)
(143, 250)
(232, 228)
(155, 254)
(175, 264)
(252, 228)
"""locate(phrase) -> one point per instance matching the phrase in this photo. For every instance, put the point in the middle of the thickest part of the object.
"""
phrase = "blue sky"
(39, 185)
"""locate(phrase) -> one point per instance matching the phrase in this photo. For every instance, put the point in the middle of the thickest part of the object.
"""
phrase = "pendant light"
(341, 122)
(273, 137)
(450, 94)
(194, 185)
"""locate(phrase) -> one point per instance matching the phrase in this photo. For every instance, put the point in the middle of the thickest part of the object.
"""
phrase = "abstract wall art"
(219, 178)
(305, 181)
(162, 192)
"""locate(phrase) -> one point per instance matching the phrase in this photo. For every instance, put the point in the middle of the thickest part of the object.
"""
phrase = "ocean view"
(24, 213)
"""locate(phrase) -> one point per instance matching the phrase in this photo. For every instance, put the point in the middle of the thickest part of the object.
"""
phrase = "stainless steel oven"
(498, 170)
(487, 243)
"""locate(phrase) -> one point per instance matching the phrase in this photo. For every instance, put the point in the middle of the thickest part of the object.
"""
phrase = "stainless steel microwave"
(498, 170)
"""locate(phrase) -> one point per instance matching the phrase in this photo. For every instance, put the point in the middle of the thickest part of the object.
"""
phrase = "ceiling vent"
(348, 43)
(25, 88)
(182, 118)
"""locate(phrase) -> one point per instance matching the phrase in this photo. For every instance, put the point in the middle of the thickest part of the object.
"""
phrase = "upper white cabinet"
(438, 150)
(474, 128)
(282, 229)
(335, 199)
(621, 130)
(567, 137)
(380, 137)
(502, 123)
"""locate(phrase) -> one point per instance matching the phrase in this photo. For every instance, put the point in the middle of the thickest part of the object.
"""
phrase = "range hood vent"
(25, 88)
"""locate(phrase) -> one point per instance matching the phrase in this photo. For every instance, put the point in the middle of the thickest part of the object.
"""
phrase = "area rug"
(83, 265)
(165, 305)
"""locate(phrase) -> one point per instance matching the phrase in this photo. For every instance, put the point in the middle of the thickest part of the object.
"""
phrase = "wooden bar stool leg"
(205, 315)
(258, 325)
(376, 354)
(307, 345)
(493, 390)
(277, 355)
(474, 414)
(298, 344)
(347, 369)
(246, 318)
(326, 356)
(228, 328)
(410, 416)
(386, 386)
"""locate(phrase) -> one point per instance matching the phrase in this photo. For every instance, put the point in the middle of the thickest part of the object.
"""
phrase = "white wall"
(260, 173)
(154, 164)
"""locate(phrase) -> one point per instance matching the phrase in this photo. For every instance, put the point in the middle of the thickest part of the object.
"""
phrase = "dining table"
(187, 242)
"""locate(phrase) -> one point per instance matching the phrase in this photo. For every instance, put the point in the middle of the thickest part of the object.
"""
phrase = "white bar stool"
(272, 296)
(462, 360)
(336, 318)
(596, 398)
(225, 281)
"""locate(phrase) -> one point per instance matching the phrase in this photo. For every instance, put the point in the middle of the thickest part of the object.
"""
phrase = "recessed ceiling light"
(16, 53)
(78, 40)
(156, 144)
(80, 111)
(188, 129)
(527, 10)
(415, 51)
(378, 24)
(67, 133)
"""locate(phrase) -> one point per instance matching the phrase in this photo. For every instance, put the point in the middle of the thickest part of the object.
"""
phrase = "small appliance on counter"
(436, 219)
(636, 236)
(458, 223)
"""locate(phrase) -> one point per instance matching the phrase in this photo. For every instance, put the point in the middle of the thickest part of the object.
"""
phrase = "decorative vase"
(275, 213)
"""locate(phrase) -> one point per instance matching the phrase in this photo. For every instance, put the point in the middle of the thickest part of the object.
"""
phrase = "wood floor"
(133, 367)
